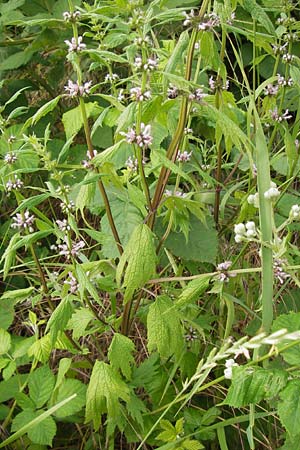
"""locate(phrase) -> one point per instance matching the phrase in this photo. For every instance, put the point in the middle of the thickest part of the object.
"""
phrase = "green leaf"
(64, 366)
(136, 407)
(79, 321)
(5, 341)
(43, 111)
(252, 384)
(41, 349)
(169, 434)
(120, 354)
(67, 389)
(126, 217)
(28, 203)
(202, 242)
(42, 434)
(41, 384)
(137, 262)
(36, 421)
(164, 328)
(72, 119)
(258, 13)
(104, 390)
(16, 60)
(289, 407)
(59, 317)
(194, 289)
(291, 322)
(10, 388)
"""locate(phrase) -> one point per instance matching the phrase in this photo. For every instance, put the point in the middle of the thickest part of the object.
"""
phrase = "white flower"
(253, 199)
(198, 95)
(184, 156)
(131, 164)
(139, 96)
(151, 64)
(111, 78)
(10, 158)
(121, 96)
(70, 249)
(63, 225)
(74, 286)
(75, 45)
(239, 228)
(229, 364)
(23, 221)
(272, 193)
(71, 17)
(74, 89)
(295, 212)
(143, 139)
(14, 184)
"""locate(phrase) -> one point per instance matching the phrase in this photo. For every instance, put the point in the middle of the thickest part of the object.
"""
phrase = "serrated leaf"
(59, 318)
(103, 394)
(5, 341)
(67, 389)
(164, 328)
(138, 261)
(136, 407)
(28, 203)
(194, 289)
(289, 407)
(258, 13)
(291, 322)
(16, 60)
(41, 384)
(35, 422)
(251, 385)
(64, 366)
(120, 354)
(72, 119)
(126, 217)
(177, 54)
(42, 434)
(79, 321)
(43, 111)
(202, 242)
(41, 349)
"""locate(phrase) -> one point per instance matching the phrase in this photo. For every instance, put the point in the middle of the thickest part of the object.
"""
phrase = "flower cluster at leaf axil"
(78, 90)
(223, 268)
(295, 212)
(70, 249)
(273, 193)
(23, 221)
(14, 184)
(245, 231)
(75, 44)
(10, 158)
(143, 139)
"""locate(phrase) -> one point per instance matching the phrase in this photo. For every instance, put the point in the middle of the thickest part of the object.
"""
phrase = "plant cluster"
(149, 174)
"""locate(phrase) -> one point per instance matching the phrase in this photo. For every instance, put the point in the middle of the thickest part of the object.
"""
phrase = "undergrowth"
(149, 224)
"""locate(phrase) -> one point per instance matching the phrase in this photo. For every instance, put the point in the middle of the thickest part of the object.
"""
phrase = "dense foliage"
(149, 224)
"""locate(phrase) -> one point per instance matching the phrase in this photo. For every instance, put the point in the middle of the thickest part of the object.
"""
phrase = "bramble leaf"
(164, 328)
(120, 354)
(103, 394)
(140, 257)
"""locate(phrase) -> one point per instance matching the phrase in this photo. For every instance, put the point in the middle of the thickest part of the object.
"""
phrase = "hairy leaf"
(103, 394)
(164, 328)
(41, 384)
(289, 407)
(120, 354)
(137, 262)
